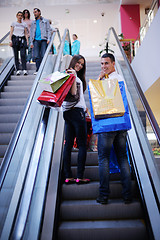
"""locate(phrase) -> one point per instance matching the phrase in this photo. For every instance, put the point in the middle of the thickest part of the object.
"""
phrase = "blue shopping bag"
(114, 123)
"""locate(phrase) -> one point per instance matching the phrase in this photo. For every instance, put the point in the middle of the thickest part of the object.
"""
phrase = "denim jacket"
(44, 27)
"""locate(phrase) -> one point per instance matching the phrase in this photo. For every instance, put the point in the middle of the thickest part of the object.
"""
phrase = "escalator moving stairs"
(82, 218)
(12, 101)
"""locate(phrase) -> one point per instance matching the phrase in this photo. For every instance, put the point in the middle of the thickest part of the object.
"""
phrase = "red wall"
(130, 20)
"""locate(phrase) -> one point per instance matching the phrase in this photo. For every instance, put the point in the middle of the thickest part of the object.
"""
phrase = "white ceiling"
(8, 3)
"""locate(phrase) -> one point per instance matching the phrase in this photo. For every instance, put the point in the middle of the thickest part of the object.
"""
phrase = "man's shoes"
(102, 199)
(18, 72)
(35, 73)
(25, 72)
(127, 200)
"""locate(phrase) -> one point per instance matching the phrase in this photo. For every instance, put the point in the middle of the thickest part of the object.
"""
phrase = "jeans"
(22, 50)
(40, 47)
(105, 142)
(29, 52)
(75, 126)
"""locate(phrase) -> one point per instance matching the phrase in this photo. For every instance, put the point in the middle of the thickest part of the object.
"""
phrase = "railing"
(34, 168)
(145, 26)
(145, 164)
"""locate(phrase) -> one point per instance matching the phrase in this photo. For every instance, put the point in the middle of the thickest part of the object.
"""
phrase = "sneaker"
(35, 73)
(102, 199)
(18, 72)
(25, 72)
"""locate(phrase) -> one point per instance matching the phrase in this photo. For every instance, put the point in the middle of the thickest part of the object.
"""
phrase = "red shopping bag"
(56, 99)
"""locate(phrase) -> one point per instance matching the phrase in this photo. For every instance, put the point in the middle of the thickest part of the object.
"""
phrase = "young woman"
(19, 42)
(28, 21)
(74, 108)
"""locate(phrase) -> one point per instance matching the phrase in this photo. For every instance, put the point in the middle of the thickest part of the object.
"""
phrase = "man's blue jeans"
(105, 142)
(40, 47)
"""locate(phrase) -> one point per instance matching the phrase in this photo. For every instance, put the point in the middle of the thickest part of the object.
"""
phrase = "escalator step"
(91, 210)
(103, 230)
(91, 190)
(5, 138)
(17, 88)
(29, 77)
(3, 149)
(20, 83)
(8, 95)
(92, 172)
(7, 127)
(9, 118)
(10, 109)
(12, 102)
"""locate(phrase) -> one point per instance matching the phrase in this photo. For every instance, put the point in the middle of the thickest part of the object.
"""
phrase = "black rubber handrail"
(142, 97)
(5, 36)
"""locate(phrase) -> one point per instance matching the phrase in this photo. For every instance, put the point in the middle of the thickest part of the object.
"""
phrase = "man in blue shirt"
(40, 34)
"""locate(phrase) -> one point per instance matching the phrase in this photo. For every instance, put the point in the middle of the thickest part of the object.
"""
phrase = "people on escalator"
(115, 138)
(19, 42)
(28, 21)
(75, 48)
(74, 108)
(40, 34)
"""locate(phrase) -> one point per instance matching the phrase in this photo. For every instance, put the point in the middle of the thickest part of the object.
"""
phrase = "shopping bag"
(56, 99)
(106, 98)
(53, 81)
(115, 123)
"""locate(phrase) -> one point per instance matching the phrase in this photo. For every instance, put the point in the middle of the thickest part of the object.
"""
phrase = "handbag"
(115, 123)
(54, 81)
(106, 98)
(56, 99)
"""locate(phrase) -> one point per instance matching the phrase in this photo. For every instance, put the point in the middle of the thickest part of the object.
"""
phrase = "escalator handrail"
(5, 36)
(143, 99)
(22, 213)
(7, 158)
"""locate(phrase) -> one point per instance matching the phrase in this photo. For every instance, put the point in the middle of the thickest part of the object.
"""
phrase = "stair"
(82, 218)
(12, 102)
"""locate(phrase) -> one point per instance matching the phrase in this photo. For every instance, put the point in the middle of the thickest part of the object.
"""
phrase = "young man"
(40, 34)
(107, 139)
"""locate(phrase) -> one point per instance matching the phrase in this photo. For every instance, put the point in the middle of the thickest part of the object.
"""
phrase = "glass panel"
(137, 101)
(6, 51)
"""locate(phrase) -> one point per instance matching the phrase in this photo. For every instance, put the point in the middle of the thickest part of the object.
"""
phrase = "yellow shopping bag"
(106, 98)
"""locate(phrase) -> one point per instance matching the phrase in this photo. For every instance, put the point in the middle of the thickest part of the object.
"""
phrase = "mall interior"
(35, 203)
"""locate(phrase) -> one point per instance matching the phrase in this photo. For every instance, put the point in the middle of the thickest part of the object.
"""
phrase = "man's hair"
(37, 9)
(109, 55)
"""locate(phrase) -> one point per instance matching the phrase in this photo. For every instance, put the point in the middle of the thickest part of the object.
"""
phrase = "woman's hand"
(10, 43)
(71, 71)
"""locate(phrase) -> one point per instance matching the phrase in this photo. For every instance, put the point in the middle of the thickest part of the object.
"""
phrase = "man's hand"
(101, 76)
(32, 46)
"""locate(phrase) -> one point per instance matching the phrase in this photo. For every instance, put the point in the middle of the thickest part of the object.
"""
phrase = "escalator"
(40, 206)
(81, 217)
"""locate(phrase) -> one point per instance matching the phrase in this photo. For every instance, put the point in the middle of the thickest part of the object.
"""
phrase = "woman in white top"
(19, 42)
(75, 123)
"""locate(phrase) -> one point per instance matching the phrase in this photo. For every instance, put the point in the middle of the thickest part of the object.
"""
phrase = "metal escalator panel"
(14, 170)
(6, 52)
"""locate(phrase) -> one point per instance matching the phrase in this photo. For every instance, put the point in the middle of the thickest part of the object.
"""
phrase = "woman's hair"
(81, 73)
(24, 11)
